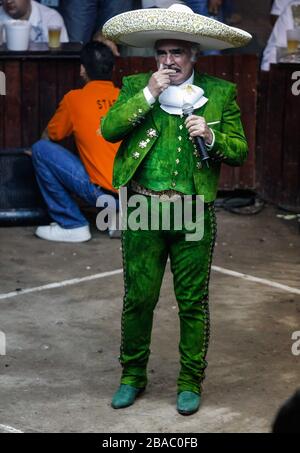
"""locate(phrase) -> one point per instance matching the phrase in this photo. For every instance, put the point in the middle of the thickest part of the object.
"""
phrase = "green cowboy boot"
(125, 396)
(188, 402)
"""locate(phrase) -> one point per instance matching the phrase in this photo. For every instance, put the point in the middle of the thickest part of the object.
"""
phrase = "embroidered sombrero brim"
(143, 27)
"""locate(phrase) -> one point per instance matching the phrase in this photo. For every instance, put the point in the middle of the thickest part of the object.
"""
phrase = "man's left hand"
(198, 127)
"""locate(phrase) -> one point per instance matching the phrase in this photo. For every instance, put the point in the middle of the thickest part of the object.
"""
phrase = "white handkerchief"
(173, 98)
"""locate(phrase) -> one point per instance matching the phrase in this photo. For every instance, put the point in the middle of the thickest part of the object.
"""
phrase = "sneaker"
(54, 232)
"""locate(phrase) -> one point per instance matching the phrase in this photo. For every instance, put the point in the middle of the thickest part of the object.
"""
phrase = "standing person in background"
(109, 9)
(211, 8)
(198, 6)
(105, 11)
(80, 17)
(84, 18)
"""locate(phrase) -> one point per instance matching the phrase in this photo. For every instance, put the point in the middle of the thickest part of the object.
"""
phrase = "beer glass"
(54, 33)
(293, 40)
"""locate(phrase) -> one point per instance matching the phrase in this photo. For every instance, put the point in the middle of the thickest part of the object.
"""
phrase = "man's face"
(16, 8)
(175, 54)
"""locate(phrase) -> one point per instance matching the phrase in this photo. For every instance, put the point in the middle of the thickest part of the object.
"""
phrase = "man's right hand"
(160, 81)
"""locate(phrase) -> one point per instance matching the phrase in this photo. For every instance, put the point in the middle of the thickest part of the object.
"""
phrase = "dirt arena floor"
(62, 341)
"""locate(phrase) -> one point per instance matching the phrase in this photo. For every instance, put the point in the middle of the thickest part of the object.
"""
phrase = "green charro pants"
(145, 254)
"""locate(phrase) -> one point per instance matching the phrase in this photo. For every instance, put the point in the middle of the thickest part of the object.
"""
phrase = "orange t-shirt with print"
(80, 113)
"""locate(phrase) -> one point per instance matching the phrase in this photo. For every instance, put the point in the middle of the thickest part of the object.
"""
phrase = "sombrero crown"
(143, 27)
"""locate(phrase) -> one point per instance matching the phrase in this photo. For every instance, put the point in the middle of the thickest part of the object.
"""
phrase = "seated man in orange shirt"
(59, 172)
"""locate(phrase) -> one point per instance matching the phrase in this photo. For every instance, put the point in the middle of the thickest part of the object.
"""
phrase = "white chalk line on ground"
(251, 278)
(75, 281)
(10, 429)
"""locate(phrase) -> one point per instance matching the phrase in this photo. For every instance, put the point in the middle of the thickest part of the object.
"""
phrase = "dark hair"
(288, 417)
(98, 60)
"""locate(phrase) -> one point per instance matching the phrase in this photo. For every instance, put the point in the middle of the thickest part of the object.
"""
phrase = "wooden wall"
(34, 88)
(278, 137)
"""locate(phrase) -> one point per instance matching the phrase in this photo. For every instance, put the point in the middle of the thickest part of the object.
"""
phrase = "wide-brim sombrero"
(143, 27)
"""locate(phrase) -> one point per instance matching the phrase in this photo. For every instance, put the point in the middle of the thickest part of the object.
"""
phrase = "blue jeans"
(79, 17)
(109, 9)
(83, 18)
(198, 6)
(59, 174)
(201, 7)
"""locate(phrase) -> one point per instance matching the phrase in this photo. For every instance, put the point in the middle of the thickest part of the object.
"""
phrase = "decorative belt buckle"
(169, 196)
(164, 197)
(175, 197)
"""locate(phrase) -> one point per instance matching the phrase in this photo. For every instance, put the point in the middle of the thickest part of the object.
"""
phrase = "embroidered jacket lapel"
(199, 81)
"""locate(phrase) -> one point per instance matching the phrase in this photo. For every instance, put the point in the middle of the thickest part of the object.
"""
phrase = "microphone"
(187, 110)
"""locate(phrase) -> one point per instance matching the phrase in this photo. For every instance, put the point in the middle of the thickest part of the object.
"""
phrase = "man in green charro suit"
(159, 157)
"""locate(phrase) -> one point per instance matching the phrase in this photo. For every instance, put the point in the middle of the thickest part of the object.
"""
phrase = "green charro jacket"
(137, 124)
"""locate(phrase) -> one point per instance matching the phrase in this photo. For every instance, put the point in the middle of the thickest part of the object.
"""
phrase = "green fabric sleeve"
(230, 145)
(128, 111)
